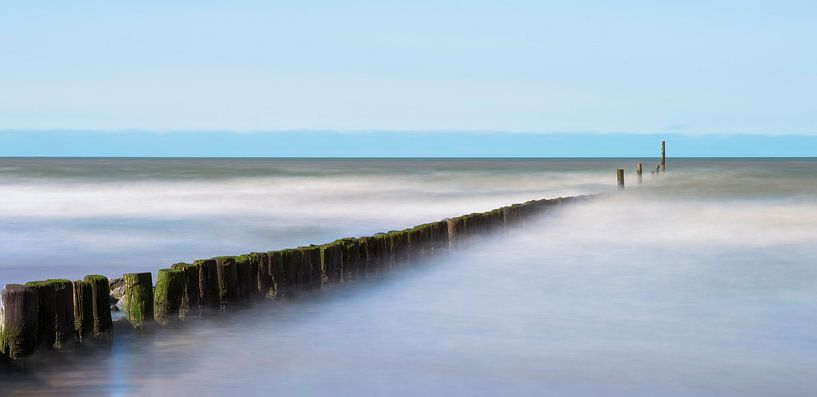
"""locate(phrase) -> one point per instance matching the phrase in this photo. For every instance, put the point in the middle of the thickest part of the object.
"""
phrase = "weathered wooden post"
(620, 178)
(83, 309)
(663, 156)
(638, 171)
(280, 281)
(19, 336)
(264, 282)
(101, 306)
(56, 312)
(168, 295)
(208, 282)
(190, 296)
(227, 280)
(247, 275)
(139, 298)
(331, 260)
(46, 313)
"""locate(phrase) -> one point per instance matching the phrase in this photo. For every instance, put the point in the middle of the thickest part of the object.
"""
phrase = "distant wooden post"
(638, 171)
(620, 177)
(663, 156)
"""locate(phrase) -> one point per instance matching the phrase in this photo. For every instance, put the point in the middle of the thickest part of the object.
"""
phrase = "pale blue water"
(700, 283)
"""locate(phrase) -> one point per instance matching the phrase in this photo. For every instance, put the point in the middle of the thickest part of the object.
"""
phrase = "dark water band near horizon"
(700, 282)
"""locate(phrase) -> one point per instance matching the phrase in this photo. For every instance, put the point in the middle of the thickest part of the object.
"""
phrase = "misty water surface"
(700, 283)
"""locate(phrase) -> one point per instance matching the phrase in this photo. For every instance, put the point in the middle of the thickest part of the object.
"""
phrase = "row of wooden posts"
(661, 167)
(53, 314)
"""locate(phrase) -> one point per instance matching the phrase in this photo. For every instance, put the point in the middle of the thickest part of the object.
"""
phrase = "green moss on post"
(139, 298)
(101, 297)
(294, 258)
(278, 274)
(56, 312)
(227, 281)
(208, 283)
(190, 296)
(312, 267)
(64, 309)
(168, 295)
(362, 257)
(83, 309)
(331, 262)
(247, 274)
(350, 261)
(46, 312)
(264, 282)
(20, 333)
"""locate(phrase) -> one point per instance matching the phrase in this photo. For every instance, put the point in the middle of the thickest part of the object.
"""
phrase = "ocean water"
(697, 283)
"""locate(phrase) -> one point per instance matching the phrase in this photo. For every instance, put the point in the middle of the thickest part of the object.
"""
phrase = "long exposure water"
(700, 282)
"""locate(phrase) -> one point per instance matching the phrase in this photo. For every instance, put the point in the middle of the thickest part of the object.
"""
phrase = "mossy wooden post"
(168, 295)
(331, 259)
(350, 259)
(139, 298)
(263, 277)
(46, 312)
(247, 276)
(362, 258)
(638, 172)
(620, 178)
(64, 309)
(101, 298)
(19, 337)
(312, 262)
(55, 316)
(294, 259)
(190, 295)
(441, 236)
(227, 281)
(663, 156)
(208, 283)
(279, 275)
(83, 309)
(395, 247)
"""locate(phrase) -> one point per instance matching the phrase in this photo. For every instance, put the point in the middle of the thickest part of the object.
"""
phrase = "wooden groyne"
(55, 314)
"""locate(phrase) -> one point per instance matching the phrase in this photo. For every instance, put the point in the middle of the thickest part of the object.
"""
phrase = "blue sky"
(695, 68)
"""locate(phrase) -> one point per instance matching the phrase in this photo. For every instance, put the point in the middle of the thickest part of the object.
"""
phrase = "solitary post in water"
(663, 156)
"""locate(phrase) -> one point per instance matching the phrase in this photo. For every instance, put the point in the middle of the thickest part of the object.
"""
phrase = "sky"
(719, 67)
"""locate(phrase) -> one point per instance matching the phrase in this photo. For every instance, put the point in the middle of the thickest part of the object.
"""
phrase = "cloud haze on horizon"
(723, 67)
(78, 143)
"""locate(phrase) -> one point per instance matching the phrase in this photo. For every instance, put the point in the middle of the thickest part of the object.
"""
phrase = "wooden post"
(620, 178)
(638, 171)
(227, 280)
(83, 309)
(190, 296)
(101, 306)
(20, 308)
(663, 156)
(139, 298)
(208, 282)
(56, 312)
(168, 296)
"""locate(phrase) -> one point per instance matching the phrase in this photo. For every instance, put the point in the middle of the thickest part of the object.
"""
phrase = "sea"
(699, 281)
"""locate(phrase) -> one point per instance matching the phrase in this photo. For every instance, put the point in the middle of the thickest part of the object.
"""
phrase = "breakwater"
(55, 314)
